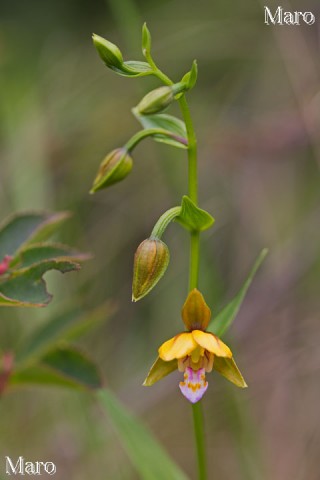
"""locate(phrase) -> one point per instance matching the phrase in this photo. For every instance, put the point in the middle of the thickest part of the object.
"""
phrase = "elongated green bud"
(150, 262)
(114, 168)
(109, 52)
(159, 99)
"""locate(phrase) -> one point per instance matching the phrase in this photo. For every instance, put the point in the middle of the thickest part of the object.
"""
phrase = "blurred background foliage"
(256, 111)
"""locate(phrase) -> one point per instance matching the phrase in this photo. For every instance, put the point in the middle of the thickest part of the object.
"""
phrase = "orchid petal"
(177, 347)
(211, 343)
(194, 385)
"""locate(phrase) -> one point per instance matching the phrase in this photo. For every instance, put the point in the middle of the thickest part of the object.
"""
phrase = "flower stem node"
(159, 99)
(114, 168)
(150, 263)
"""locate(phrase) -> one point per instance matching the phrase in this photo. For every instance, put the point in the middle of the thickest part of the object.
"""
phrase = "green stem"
(193, 191)
(164, 221)
(199, 435)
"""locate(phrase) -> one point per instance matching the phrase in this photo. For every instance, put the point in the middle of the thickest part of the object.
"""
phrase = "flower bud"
(195, 312)
(150, 262)
(159, 99)
(108, 52)
(114, 168)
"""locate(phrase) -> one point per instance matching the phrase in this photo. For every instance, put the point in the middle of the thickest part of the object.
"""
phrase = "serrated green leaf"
(24, 228)
(167, 122)
(64, 367)
(192, 217)
(26, 287)
(224, 319)
(148, 457)
(69, 325)
(45, 251)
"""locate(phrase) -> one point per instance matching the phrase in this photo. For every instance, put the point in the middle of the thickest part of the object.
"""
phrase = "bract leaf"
(192, 217)
(190, 78)
(222, 322)
(167, 122)
(134, 68)
(26, 288)
(24, 228)
(160, 369)
(229, 369)
(148, 457)
(146, 40)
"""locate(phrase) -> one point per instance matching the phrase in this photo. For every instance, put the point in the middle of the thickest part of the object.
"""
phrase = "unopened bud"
(114, 168)
(108, 52)
(195, 312)
(150, 262)
(159, 99)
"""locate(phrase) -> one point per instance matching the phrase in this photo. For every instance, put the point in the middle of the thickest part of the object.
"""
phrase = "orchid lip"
(194, 385)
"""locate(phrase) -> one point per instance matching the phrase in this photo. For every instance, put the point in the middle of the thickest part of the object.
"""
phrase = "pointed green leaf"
(159, 369)
(149, 458)
(190, 78)
(229, 369)
(166, 122)
(224, 319)
(192, 217)
(24, 228)
(26, 288)
(146, 41)
(65, 367)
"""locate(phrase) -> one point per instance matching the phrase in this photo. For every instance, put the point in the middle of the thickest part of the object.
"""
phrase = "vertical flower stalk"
(194, 272)
(194, 258)
(198, 350)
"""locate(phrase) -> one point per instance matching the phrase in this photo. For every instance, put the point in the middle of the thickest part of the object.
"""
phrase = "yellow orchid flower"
(195, 352)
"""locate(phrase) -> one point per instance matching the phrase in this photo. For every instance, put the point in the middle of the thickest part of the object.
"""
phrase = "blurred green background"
(256, 112)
